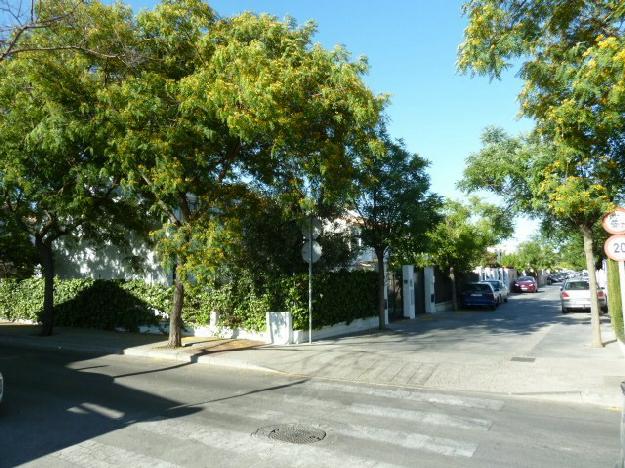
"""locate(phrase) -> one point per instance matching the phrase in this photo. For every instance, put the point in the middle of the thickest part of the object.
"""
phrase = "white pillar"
(279, 328)
(407, 272)
(429, 290)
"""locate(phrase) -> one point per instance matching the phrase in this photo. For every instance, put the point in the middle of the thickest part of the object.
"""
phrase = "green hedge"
(338, 297)
(614, 300)
(341, 296)
(86, 302)
(107, 304)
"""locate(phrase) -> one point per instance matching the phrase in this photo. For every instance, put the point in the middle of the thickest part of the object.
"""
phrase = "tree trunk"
(175, 317)
(595, 322)
(47, 268)
(381, 285)
(454, 297)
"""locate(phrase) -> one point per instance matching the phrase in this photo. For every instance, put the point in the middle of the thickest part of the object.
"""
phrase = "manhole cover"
(292, 433)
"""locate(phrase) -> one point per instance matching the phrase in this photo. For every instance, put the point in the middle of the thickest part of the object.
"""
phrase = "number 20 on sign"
(615, 247)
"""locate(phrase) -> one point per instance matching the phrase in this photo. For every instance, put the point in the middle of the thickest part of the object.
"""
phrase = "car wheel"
(564, 310)
(506, 299)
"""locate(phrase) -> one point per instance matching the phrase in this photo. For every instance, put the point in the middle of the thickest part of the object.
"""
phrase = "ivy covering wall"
(242, 303)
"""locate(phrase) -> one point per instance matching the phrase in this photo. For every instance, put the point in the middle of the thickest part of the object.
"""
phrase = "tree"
(54, 179)
(393, 202)
(573, 69)
(531, 175)
(219, 107)
(459, 242)
(534, 255)
(68, 25)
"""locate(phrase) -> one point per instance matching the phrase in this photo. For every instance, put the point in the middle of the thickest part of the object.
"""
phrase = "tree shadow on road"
(51, 407)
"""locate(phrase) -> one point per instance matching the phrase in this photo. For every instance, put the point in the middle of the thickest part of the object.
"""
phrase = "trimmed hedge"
(107, 304)
(341, 296)
(86, 303)
(614, 300)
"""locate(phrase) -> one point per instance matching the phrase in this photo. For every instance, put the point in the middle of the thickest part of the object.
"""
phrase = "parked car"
(554, 278)
(501, 291)
(526, 284)
(480, 294)
(575, 294)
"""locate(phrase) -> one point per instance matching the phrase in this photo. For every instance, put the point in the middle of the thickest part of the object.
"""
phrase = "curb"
(214, 360)
(167, 355)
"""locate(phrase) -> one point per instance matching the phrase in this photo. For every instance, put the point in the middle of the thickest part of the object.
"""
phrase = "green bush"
(86, 302)
(614, 300)
(341, 296)
(107, 304)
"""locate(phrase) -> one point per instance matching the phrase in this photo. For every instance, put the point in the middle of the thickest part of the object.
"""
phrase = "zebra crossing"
(366, 426)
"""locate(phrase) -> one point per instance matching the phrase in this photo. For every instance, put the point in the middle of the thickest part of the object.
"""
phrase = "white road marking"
(425, 417)
(102, 410)
(93, 454)
(241, 443)
(421, 417)
(410, 440)
(414, 395)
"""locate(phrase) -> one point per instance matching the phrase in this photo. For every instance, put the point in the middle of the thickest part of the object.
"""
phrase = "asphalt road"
(67, 409)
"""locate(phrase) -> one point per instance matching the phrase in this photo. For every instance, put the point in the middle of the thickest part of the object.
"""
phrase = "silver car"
(501, 291)
(575, 294)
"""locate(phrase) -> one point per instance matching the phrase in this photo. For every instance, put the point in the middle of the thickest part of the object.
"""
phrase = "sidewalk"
(550, 363)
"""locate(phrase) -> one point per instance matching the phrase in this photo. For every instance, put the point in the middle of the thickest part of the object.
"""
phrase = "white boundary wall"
(282, 332)
(358, 325)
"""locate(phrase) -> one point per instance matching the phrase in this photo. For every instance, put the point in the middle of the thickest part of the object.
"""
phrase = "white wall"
(82, 259)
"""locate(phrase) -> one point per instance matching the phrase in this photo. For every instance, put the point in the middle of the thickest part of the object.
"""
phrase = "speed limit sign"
(614, 247)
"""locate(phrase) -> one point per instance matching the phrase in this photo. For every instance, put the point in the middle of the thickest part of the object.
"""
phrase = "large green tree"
(220, 106)
(54, 177)
(394, 205)
(571, 58)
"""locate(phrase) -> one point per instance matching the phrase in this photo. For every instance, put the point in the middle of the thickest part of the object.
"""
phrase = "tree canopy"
(460, 240)
(392, 199)
(55, 179)
(218, 107)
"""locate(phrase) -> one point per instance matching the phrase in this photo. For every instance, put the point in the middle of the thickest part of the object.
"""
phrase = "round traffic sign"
(614, 222)
(614, 247)
(316, 251)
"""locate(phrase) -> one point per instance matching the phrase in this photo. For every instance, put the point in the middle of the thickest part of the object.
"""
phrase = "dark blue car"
(478, 295)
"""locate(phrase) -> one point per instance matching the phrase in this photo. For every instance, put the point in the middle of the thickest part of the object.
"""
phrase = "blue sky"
(411, 46)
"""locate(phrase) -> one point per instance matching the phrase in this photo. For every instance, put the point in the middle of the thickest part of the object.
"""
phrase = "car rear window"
(577, 285)
(496, 285)
(477, 287)
(526, 278)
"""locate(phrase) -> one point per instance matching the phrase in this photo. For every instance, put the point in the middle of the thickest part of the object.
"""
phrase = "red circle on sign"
(614, 247)
(614, 222)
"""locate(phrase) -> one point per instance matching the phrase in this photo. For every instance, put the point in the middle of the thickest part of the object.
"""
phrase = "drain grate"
(523, 359)
(292, 433)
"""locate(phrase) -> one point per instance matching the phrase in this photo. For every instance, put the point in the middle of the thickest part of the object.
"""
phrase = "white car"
(501, 291)
(575, 294)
